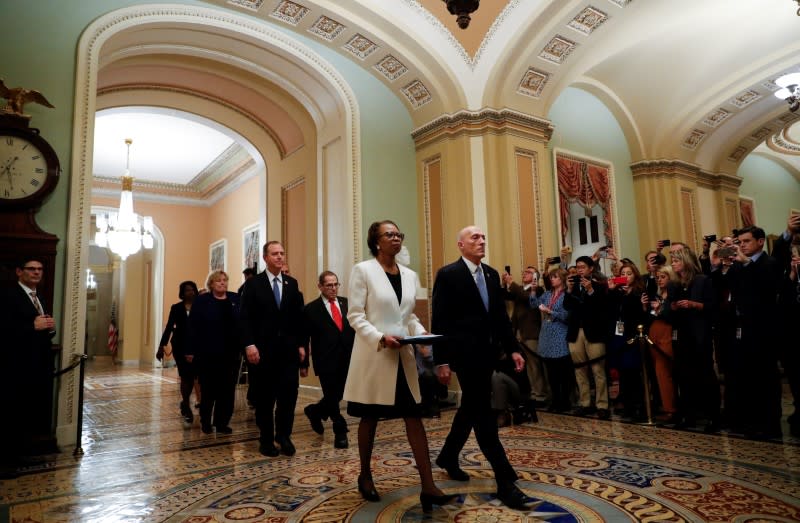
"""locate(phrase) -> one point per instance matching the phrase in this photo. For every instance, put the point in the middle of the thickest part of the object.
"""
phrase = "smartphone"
(666, 243)
(554, 260)
(711, 238)
(620, 280)
(508, 269)
(726, 252)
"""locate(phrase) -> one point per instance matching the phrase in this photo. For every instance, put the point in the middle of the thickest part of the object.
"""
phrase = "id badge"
(675, 335)
(738, 333)
(620, 329)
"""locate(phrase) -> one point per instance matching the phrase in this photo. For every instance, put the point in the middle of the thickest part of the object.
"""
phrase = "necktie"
(36, 302)
(481, 283)
(276, 290)
(337, 316)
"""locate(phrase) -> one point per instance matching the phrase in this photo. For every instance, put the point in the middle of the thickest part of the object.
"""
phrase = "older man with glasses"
(26, 365)
(329, 341)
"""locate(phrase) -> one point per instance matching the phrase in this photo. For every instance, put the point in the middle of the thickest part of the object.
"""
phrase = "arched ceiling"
(687, 79)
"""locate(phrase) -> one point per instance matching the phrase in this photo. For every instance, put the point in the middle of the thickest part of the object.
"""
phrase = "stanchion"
(644, 343)
(78, 448)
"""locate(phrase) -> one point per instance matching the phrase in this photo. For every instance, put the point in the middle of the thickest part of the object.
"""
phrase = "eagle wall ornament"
(17, 97)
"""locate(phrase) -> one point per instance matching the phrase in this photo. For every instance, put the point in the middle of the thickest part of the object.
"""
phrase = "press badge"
(620, 329)
(675, 335)
(738, 333)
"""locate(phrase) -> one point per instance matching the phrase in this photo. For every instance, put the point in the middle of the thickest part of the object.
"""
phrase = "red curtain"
(746, 210)
(591, 189)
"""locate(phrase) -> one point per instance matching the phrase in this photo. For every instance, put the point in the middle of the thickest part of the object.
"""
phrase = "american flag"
(113, 331)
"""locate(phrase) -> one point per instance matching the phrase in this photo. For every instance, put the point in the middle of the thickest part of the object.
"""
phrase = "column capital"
(664, 168)
(477, 123)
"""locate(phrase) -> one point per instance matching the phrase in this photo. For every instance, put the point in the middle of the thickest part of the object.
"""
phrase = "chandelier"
(462, 10)
(790, 90)
(124, 231)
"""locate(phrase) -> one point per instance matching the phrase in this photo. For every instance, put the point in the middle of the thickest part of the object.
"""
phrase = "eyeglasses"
(33, 269)
(391, 235)
(332, 285)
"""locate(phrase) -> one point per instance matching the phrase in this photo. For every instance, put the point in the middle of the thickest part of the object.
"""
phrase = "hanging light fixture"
(124, 231)
(462, 9)
(790, 89)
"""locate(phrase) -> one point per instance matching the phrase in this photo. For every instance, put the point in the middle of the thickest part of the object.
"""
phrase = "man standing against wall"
(271, 322)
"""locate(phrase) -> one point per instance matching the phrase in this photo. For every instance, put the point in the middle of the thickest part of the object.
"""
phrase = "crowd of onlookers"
(692, 340)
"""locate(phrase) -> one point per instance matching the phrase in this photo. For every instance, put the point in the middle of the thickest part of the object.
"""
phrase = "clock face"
(23, 168)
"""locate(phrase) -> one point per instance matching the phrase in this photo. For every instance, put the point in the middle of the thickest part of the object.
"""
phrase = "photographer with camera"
(586, 302)
(786, 251)
(753, 390)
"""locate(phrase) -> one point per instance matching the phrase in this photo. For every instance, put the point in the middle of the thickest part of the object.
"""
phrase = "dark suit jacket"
(526, 320)
(330, 348)
(213, 331)
(176, 328)
(589, 312)
(277, 333)
(754, 291)
(26, 364)
(475, 338)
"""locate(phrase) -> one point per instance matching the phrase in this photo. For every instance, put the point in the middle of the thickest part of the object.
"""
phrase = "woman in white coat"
(382, 379)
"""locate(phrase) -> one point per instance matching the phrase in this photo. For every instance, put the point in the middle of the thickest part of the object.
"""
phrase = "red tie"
(337, 316)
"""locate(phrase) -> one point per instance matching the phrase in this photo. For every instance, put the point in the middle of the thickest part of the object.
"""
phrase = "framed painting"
(217, 255)
(251, 246)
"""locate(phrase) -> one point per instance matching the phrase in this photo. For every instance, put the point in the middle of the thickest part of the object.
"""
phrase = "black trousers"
(274, 394)
(475, 413)
(327, 407)
(218, 387)
(561, 376)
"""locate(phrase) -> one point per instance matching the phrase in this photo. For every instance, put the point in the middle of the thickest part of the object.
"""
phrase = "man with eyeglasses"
(329, 337)
(26, 363)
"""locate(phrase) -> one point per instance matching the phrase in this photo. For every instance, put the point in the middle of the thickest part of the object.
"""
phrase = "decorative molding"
(252, 5)
(427, 210)
(761, 134)
(716, 118)
(391, 68)
(417, 94)
(326, 28)
(533, 82)
(360, 46)
(620, 3)
(557, 50)
(537, 207)
(745, 98)
(297, 182)
(678, 169)
(588, 20)
(693, 139)
(738, 153)
(472, 123)
(289, 12)
(782, 143)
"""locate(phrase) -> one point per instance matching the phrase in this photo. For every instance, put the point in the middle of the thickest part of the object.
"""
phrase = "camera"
(666, 243)
(554, 260)
(575, 280)
(620, 280)
(508, 269)
(711, 238)
(726, 252)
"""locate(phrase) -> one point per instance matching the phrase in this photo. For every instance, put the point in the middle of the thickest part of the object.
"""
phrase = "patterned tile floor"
(142, 464)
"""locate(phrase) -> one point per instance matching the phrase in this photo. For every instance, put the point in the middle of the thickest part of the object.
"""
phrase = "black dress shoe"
(513, 497)
(429, 500)
(603, 414)
(370, 494)
(206, 428)
(268, 449)
(340, 442)
(224, 429)
(287, 447)
(316, 421)
(453, 470)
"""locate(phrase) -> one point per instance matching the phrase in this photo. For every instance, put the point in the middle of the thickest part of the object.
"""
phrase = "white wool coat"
(373, 312)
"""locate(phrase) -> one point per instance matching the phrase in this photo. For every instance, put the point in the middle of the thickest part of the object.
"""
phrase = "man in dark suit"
(753, 385)
(469, 309)
(271, 321)
(331, 342)
(26, 364)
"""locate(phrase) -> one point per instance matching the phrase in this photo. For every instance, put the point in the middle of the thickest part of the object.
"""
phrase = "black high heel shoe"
(428, 500)
(369, 495)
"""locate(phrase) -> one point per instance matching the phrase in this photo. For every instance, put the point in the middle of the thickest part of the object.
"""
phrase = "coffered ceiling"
(687, 79)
